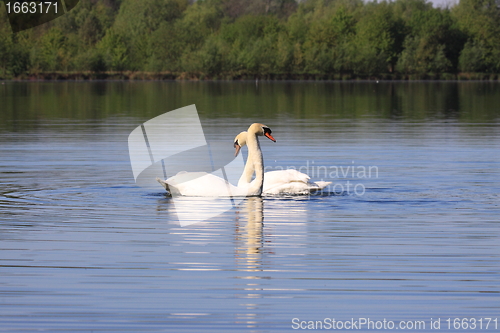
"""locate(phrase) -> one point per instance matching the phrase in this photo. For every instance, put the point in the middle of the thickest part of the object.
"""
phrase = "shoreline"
(167, 76)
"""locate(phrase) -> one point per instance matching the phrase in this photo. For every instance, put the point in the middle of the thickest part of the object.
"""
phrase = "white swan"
(288, 181)
(202, 184)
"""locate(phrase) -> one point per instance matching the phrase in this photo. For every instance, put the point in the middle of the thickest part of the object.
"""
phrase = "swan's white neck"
(254, 163)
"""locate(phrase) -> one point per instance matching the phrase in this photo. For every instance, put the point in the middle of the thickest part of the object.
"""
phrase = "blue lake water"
(415, 237)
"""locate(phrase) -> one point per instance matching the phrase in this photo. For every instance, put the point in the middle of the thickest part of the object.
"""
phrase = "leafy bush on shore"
(261, 38)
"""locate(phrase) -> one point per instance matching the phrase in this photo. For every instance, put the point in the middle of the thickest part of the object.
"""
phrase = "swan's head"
(239, 141)
(261, 130)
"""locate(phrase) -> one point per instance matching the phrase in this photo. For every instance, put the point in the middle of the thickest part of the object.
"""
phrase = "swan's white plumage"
(277, 182)
(290, 181)
(202, 184)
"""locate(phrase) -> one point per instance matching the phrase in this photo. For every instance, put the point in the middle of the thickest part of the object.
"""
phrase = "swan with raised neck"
(208, 185)
(255, 161)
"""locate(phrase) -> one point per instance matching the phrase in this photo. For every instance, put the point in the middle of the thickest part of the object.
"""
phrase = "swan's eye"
(267, 130)
(236, 144)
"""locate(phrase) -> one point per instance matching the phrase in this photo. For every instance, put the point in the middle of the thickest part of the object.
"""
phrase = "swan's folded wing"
(290, 182)
(277, 178)
(295, 188)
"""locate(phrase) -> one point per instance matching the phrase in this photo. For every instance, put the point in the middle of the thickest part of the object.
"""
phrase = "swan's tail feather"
(163, 183)
(321, 185)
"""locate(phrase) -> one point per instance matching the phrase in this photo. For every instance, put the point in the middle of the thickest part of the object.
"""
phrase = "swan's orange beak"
(270, 137)
(237, 147)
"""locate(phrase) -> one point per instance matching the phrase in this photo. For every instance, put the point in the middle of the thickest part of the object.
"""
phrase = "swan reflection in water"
(249, 240)
(249, 246)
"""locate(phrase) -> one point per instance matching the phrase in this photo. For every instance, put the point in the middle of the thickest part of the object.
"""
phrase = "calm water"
(414, 237)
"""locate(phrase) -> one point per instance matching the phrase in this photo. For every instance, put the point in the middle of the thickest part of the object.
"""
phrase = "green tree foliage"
(378, 39)
(480, 22)
(242, 38)
(472, 58)
(237, 8)
(132, 29)
(431, 41)
(328, 46)
(14, 54)
(52, 50)
(115, 51)
(250, 44)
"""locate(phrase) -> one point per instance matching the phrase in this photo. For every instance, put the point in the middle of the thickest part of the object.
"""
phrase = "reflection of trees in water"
(30, 105)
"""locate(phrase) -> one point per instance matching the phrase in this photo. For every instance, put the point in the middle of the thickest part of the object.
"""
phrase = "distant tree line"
(259, 38)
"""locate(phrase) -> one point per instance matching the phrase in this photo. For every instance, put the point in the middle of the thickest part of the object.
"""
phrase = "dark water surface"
(413, 234)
